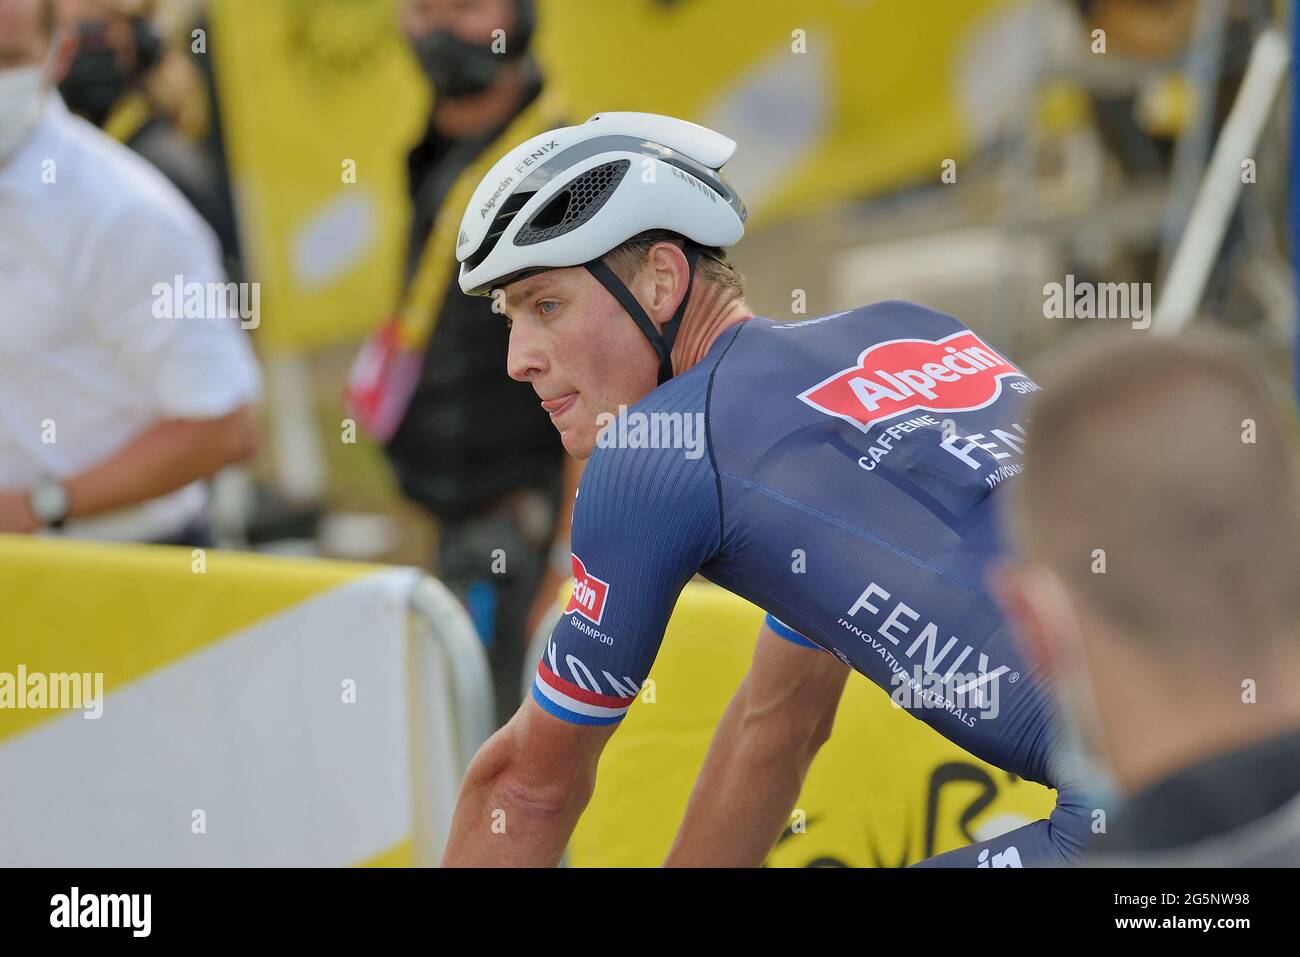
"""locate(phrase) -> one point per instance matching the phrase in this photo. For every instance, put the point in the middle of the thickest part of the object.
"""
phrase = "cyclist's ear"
(1039, 611)
(665, 277)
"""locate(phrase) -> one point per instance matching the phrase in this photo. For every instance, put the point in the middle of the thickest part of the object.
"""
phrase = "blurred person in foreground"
(126, 80)
(465, 441)
(110, 415)
(1159, 523)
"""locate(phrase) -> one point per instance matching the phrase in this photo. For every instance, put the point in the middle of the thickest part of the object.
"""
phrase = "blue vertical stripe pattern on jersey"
(644, 521)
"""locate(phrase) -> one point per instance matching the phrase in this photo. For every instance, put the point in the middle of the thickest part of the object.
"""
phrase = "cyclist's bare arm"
(524, 792)
(760, 754)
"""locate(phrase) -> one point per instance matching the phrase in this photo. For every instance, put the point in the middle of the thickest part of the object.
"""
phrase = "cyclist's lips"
(560, 404)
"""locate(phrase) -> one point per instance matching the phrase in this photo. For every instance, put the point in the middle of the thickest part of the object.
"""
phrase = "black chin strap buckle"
(662, 342)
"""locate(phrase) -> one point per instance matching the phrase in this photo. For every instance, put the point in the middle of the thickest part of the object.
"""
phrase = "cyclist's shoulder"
(764, 347)
(660, 444)
(655, 451)
(884, 317)
(772, 357)
(650, 479)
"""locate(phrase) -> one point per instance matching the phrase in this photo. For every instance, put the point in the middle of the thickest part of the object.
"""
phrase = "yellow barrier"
(174, 707)
(885, 791)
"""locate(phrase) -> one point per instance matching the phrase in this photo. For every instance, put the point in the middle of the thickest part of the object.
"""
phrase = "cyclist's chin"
(577, 442)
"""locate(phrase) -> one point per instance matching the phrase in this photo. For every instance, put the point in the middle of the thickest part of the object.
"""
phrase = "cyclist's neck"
(707, 316)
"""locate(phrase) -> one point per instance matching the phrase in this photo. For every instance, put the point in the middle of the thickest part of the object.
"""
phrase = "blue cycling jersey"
(843, 473)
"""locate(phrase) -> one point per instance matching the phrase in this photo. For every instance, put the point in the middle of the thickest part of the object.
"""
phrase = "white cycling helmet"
(569, 196)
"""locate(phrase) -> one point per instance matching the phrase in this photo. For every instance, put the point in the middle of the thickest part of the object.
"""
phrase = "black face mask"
(96, 80)
(456, 67)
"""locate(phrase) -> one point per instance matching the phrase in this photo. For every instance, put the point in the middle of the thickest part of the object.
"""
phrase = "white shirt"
(81, 354)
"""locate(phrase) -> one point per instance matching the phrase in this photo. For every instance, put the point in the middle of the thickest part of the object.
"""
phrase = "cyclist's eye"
(547, 307)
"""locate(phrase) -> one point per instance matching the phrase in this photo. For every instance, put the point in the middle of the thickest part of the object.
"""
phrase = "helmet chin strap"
(662, 342)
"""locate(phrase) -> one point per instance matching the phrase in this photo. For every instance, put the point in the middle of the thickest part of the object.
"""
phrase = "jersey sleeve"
(644, 522)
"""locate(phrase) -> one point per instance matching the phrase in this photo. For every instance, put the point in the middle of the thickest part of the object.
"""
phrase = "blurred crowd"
(112, 419)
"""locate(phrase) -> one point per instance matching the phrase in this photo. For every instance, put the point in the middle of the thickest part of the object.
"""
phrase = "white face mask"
(22, 97)
(1078, 710)
(1077, 706)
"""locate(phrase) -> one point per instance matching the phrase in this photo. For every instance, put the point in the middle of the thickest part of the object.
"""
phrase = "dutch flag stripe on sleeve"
(577, 704)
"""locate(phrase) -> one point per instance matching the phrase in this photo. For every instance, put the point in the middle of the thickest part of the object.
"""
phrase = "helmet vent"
(499, 225)
(573, 205)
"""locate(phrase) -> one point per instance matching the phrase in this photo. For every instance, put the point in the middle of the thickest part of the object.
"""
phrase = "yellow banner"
(829, 99)
(320, 101)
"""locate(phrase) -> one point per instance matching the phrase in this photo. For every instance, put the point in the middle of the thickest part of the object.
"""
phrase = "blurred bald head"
(1170, 461)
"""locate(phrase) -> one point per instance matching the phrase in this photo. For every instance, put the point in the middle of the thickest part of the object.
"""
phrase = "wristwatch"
(48, 501)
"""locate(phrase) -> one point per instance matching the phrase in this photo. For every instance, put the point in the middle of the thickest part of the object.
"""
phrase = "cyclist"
(842, 472)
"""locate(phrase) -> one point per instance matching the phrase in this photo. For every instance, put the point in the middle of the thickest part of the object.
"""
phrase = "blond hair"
(1162, 483)
(711, 266)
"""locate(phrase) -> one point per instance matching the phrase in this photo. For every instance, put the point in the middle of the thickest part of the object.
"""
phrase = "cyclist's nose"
(525, 359)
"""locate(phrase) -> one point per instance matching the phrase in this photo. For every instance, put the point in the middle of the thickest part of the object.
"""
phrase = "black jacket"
(1240, 809)
(471, 434)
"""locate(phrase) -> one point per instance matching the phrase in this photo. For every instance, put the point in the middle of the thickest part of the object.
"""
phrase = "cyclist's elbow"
(540, 800)
(510, 771)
